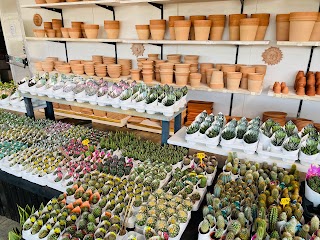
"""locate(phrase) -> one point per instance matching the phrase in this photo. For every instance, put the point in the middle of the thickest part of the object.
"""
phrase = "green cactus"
(275, 193)
(260, 233)
(244, 234)
(262, 212)
(314, 224)
(283, 216)
(304, 231)
(288, 211)
(217, 190)
(298, 214)
(275, 235)
(220, 222)
(230, 236)
(211, 220)
(204, 226)
(273, 217)
(241, 219)
(209, 199)
(234, 226)
(218, 233)
(205, 211)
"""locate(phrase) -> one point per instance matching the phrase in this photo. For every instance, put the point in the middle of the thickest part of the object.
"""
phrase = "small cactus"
(298, 214)
(244, 234)
(230, 236)
(275, 193)
(283, 216)
(304, 231)
(275, 235)
(241, 219)
(260, 233)
(234, 227)
(205, 211)
(220, 222)
(204, 226)
(209, 199)
(273, 217)
(217, 190)
(314, 224)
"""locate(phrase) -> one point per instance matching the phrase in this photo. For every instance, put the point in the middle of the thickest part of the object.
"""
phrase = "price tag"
(85, 142)
(201, 155)
(284, 201)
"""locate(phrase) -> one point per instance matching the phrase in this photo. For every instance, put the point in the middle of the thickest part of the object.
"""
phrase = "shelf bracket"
(159, 45)
(115, 49)
(242, 5)
(110, 8)
(159, 6)
(53, 9)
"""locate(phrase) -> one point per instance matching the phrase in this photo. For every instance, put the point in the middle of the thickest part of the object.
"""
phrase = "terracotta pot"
(157, 75)
(92, 33)
(217, 80)
(40, 33)
(209, 72)
(76, 25)
(248, 29)
(203, 68)
(38, 66)
(143, 32)
(157, 32)
(193, 18)
(166, 77)
(195, 79)
(47, 66)
(58, 33)
(112, 29)
(191, 58)
(234, 26)
(263, 25)
(233, 80)
(315, 35)
(301, 122)
(182, 67)
(47, 25)
(311, 90)
(244, 83)
(285, 90)
(74, 32)
(225, 68)
(147, 77)
(277, 87)
(255, 82)
(40, 1)
(247, 69)
(56, 24)
(181, 78)
(182, 29)
(171, 25)
(174, 58)
(202, 29)
(217, 28)
(283, 27)
(260, 68)
(135, 74)
(51, 33)
(301, 25)
(318, 90)
(65, 32)
(153, 56)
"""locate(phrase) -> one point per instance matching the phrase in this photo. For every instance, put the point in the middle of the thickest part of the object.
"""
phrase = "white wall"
(294, 58)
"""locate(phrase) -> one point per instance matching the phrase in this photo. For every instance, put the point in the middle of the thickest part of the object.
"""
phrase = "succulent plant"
(213, 131)
(310, 147)
(169, 100)
(204, 226)
(220, 222)
(228, 133)
(234, 227)
(304, 231)
(251, 136)
(290, 128)
(314, 224)
(273, 217)
(241, 130)
(244, 234)
(204, 126)
(173, 230)
(278, 137)
(292, 143)
(193, 128)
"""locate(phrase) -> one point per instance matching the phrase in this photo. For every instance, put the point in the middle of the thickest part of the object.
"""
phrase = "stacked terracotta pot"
(279, 117)
(143, 32)
(38, 66)
(217, 28)
(101, 70)
(63, 68)
(182, 29)
(203, 69)
(280, 88)
(75, 30)
(112, 29)
(174, 58)
(114, 70)
(302, 25)
(172, 19)
(153, 56)
(307, 85)
(157, 69)
(108, 60)
(148, 71)
(97, 59)
(51, 33)
(89, 68)
(135, 74)
(157, 29)
(193, 60)
(126, 65)
(47, 66)
(182, 71)
(91, 30)
(193, 18)
(234, 26)
(139, 62)
(166, 73)
(283, 26)
(77, 68)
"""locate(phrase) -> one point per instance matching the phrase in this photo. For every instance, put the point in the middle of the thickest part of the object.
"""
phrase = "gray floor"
(6, 225)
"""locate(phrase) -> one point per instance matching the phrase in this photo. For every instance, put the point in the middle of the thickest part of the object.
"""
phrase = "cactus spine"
(273, 217)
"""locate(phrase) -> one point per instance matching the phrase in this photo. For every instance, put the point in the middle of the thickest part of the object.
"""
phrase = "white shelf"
(292, 95)
(73, 4)
(165, 42)
(179, 140)
(73, 39)
(298, 44)
(21, 109)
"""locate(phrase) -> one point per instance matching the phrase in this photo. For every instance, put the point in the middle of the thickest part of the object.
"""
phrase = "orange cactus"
(63, 201)
(76, 210)
(69, 206)
(80, 189)
(75, 186)
(78, 202)
(85, 205)
(95, 197)
(108, 214)
(89, 191)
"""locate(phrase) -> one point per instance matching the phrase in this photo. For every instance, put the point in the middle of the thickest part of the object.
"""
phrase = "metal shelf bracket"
(53, 9)
(159, 6)
(110, 8)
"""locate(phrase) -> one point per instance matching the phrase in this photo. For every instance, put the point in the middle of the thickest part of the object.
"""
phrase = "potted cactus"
(277, 140)
(204, 230)
(167, 106)
(309, 152)
(241, 129)
(312, 185)
(290, 148)
(250, 141)
(290, 128)
(228, 136)
(140, 101)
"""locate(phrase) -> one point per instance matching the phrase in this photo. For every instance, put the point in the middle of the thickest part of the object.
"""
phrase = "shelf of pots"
(86, 40)
(61, 4)
(236, 210)
(194, 42)
(299, 44)
(268, 142)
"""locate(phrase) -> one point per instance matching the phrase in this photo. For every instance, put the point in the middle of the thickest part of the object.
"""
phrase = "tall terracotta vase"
(234, 26)
(182, 29)
(217, 28)
(283, 27)
(301, 25)
(171, 25)
(193, 18)
(249, 29)
(263, 25)
(202, 29)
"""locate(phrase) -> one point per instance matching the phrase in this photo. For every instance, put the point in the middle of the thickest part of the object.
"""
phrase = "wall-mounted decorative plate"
(137, 49)
(37, 20)
(272, 56)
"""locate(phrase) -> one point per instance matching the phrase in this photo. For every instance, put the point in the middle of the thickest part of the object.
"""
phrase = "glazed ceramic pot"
(301, 25)
(182, 29)
(283, 27)
(263, 25)
(234, 26)
(249, 29)
(202, 29)
(217, 28)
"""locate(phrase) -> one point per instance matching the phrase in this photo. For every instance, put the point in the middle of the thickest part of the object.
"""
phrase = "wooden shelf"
(292, 95)
(157, 116)
(298, 44)
(179, 139)
(165, 42)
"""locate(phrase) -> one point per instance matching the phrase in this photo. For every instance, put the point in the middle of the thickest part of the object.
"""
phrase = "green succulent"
(290, 128)
(310, 147)
(251, 136)
(213, 131)
(279, 137)
(292, 143)
(193, 128)
(228, 133)
(241, 130)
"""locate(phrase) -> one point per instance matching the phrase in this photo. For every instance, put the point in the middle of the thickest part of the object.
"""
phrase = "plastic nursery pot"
(234, 26)
(171, 25)
(217, 27)
(182, 29)
(202, 29)
(248, 29)
(283, 27)
(301, 25)
(311, 195)
(143, 32)
(263, 25)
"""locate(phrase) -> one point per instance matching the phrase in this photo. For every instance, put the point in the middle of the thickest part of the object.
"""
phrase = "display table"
(165, 120)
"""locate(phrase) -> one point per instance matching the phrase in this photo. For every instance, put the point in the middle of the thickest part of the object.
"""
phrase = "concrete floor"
(6, 225)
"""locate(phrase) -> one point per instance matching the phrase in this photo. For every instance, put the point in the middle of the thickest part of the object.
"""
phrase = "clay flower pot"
(47, 66)
(171, 25)
(181, 78)
(135, 74)
(260, 68)
(248, 29)
(112, 29)
(283, 27)
(191, 59)
(65, 32)
(76, 25)
(38, 66)
(193, 18)
(233, 80)
(315, 35)
(147, 76)
(39, 33)
(209, 72)
(203, 68)
(143, 32)
(182, 29)
(74, 32)
(217, 80)
(277, 87)
(263, 25)
(202, 29)
(40, 1)
(255, 81)
(311, 90)
(285, 90)
(225, 68)
(51, 33)
(174, 58)
(47, 25)
(56, 24)
(301, 25)
(182, 67)
(234, 26)
(195, 79)
(217, 28)
(157, 29)
(166, 77)
(153, 56)
(91, 30)
(114, 70)
(77, 68)
(126, 65)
